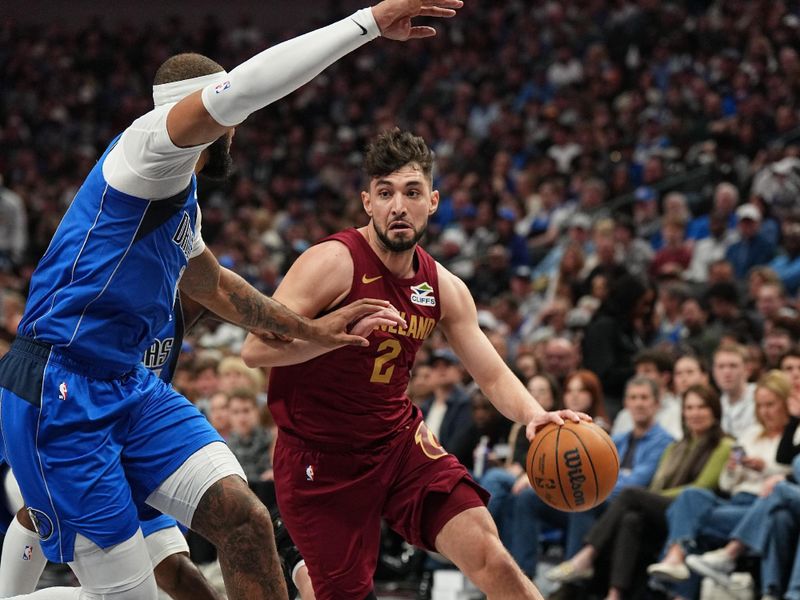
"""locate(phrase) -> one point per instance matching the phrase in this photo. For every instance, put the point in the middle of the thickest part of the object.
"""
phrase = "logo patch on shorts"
(41, 523)
(309, 473)
(27, 553)
(62, 391)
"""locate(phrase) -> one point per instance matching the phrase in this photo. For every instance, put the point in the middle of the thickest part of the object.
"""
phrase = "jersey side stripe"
(77, 258)
(114, 272)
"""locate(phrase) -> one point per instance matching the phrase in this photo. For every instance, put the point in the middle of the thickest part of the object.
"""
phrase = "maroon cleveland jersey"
(355, 396)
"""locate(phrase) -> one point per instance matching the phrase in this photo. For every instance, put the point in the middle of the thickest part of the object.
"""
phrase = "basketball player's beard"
(400, 245)
(219, 165)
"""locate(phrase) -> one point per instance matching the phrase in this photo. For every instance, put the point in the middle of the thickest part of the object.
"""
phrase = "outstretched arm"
(317, 281)
(459, 322)
(226, 294)
(207, 114)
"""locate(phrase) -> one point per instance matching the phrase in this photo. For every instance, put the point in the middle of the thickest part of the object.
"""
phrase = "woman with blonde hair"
(751, 471)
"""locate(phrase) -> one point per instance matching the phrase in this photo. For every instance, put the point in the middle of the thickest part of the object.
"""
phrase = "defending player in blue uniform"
(97, 440)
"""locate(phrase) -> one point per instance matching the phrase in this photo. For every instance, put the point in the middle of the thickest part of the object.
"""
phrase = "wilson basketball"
(572, 467)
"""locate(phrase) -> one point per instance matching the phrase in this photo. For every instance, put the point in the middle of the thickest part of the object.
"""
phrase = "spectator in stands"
(645, 213)
(656, 365)
(675, 255)
(787, 263)
(689, 370)
(604, 260)
(753, 248)
(634, 252)
(235, 375)
(670, 325)
(447, 409)
(738, 404)
(699, 514)
(777, 342)
(13, 228)
(248, 440)
(484, 442)
(219, 414)
(561, 358)
(616, 333)
(725, 201)
(697, 334)
(711, 248)
(728, 316)
(206, 380)
(634, 526)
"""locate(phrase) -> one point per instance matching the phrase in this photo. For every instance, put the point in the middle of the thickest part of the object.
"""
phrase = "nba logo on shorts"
(222, 87)
(27, 553)
(309, 473)
(62, 391)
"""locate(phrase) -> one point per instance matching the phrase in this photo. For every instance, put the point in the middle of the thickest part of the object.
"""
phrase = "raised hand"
(394, 17)
(387, 316)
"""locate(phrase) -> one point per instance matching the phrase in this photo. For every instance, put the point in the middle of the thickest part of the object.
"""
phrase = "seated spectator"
(219, 414)
(695, 461)
(560, 359)
(726, 199)
(616, 333)
(633, 251)
(639, 451)
(484, 443)
(447, 409)
(689, 370)
(675, 255)
(712, 248)
(509, 479)
(248, 440)
(697, 334)
(699, 514)
(205, 380)
(787, 263)
(670, 298)
(730, 376)
(753, 248)
(656, 365)
(728, 316)
(777, 342)
(234, 374)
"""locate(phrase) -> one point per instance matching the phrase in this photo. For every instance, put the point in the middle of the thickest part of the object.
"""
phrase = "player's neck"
(401, 264)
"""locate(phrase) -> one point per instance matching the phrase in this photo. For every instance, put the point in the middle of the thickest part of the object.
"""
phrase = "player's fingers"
(585, 417)
(455, 4)
(419, 32)
(435, 11)
(363, 307)
(570, 414)
(351, 340)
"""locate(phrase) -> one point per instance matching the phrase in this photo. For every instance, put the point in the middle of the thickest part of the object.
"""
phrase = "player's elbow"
(253, 352)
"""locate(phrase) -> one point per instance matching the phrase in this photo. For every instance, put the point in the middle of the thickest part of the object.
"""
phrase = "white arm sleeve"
(280, 70)
(146, 164)
(199, 244)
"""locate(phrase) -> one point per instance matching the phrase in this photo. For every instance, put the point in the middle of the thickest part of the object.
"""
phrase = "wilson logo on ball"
(572, 458)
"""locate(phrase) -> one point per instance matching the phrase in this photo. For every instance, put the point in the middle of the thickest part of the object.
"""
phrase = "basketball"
(572, 467)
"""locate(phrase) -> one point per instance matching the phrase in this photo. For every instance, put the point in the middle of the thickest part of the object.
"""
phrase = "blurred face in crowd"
(687, 372)
(526, 365)
(641, 404)
(540, 389)
(243, 415)
(729, 371)
(399, 205)
(748, 228)
(560, 357)
(422, 382)
(483, 412)
(769, 300)
(218, 413)
(699, 418)
(776, 344)
(445, 374)
(771, 410)
(206, 382)
(650, 370)
(576, 396)
(233, 379)
(791, 366)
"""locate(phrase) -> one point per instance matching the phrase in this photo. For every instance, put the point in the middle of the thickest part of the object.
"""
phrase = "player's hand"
(385, 317)
(333, 329)
(554, 416)
(394, 17)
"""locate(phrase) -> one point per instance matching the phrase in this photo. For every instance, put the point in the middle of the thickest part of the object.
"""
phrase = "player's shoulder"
(325, 259)
(450, 282)
(454, 295)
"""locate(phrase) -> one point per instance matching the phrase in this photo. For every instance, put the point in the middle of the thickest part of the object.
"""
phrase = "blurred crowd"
(619, 180)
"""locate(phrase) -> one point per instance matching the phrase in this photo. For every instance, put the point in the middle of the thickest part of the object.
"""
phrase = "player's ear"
(434, 202)
(366, 201)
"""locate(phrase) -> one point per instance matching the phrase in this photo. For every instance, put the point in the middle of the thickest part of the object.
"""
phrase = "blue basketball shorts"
(88, 446)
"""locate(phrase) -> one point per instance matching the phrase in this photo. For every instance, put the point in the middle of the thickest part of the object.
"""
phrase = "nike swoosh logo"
(365, 279)
(360, 26)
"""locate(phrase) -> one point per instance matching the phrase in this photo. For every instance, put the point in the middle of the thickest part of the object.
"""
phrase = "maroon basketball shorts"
(332, 503)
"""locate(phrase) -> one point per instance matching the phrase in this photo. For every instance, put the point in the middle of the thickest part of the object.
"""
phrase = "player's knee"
(230, 508)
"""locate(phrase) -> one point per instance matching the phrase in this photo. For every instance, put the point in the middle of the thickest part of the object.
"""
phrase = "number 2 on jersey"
(382, 371)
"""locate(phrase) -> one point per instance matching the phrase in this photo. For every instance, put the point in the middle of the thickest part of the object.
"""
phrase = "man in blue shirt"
(95, 439)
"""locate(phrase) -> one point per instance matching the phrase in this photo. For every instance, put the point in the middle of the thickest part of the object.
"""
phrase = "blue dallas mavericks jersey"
(162, 355)
(107, 283)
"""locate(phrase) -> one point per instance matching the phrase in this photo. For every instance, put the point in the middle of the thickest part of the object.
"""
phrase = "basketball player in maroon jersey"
(351, 447)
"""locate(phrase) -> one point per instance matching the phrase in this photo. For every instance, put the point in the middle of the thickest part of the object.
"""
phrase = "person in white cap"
(753, 248)
(95, 439)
